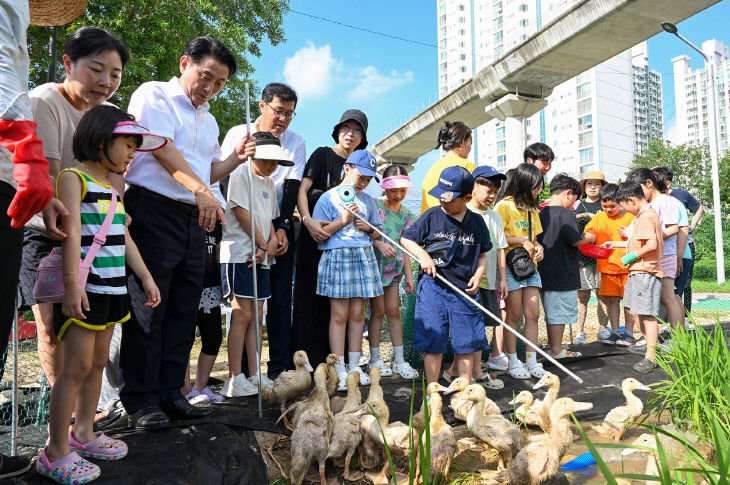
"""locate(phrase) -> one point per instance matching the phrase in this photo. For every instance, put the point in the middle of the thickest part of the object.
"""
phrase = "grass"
(709, 286)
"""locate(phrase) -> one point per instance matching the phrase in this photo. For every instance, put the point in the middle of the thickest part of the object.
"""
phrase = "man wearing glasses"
(277, 105)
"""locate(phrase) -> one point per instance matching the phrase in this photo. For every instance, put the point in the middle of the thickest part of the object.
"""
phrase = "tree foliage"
(155, 32)
(691, 166)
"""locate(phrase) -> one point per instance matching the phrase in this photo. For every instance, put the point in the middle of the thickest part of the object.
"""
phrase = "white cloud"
(309, 70)
(671, 132)
(371, 83)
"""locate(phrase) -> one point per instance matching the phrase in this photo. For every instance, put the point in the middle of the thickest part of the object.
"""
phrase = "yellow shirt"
(516, 222)
(432, 177)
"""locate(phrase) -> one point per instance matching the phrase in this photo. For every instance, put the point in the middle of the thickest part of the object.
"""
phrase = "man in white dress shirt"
(171, 205)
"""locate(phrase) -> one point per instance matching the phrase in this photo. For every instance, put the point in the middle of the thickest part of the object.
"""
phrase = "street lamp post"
(714, 152)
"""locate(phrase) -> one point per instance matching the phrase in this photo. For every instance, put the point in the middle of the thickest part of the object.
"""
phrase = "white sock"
(398, 354)
(531, 359)
(513, 360)
(353, 358)
(374, 354)
(340, 368)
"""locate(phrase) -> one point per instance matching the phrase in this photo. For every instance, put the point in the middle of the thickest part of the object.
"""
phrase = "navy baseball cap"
(365, 163)
(487, 172)
(453, 182)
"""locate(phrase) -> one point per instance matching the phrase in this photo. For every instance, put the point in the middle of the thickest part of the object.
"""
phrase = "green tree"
(156, 33)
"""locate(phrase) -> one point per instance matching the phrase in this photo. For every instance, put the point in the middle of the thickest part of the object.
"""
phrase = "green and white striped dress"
(107, 275)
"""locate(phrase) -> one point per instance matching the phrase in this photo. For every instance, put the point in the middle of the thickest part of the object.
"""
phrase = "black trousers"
(687, 295)
(11, 245)
(278, 313)
(156, 342)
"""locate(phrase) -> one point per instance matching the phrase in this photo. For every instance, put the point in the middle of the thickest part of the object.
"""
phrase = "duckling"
(310, 439)
(552, 382)
(649, 441)
(619, 418)
(419, 419)
(332, 378)
(494, 430)
(346, 434)
(443, 442)
(527, 413)
(290, 384)
(673, 449)
(540, 458)
(461, 405)
(368, 452)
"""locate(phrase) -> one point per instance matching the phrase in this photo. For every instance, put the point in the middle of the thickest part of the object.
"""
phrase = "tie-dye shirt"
(394, 223)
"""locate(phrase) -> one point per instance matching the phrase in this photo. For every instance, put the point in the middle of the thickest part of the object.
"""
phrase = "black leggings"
(211, 331)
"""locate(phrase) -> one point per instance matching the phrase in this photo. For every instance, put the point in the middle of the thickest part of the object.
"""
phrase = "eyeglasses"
(287, 115)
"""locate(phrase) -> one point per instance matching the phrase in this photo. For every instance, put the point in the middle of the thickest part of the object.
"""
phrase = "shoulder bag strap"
(529, 224)
(100, 237)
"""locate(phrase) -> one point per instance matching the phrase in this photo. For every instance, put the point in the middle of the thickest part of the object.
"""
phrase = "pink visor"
(397, 182)
(150, 141)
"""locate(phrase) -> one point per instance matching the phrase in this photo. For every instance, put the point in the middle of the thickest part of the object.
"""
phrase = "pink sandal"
(69, 470)
(102, 448)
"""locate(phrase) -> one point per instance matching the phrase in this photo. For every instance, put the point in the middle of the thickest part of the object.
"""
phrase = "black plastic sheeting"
(222, 449)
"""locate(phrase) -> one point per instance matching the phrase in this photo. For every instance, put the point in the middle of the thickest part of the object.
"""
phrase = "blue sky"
(334, 67)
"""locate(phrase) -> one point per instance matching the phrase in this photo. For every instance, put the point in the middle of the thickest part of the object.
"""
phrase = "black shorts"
(489, 301)
(36, 246)
(106, 311)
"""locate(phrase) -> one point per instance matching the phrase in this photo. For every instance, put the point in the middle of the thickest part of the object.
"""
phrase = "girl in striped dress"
(105, 141)
(348, 272)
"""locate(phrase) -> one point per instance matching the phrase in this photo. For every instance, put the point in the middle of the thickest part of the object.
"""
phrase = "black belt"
(189, 209)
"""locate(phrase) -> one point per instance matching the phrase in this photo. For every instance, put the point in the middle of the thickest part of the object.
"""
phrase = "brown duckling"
(527, 412)
(332, 378)
(461, 405)
(494, 430)
(443, 442)
(290, 384)
(619, 418)
(346, 434)
(419, 418)
(310, 439)
(540, 458)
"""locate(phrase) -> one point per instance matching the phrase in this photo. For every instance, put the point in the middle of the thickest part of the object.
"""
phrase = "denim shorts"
(440, 312)
(561, 307)
(513, 284)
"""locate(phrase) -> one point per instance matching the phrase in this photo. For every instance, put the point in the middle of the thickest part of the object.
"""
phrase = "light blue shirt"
(328, 209)
(683, 222)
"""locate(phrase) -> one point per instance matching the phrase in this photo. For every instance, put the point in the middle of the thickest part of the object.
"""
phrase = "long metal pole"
(714, 155)
(14, 410)
(253, 261)
(469, 298)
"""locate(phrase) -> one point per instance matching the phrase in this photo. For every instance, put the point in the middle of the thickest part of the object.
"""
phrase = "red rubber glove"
(31, 170)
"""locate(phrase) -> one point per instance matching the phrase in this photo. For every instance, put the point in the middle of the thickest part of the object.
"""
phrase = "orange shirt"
(605, 228)
(646, 227)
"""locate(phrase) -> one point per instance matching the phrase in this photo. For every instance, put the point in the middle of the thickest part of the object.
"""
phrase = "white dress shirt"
(166, 110)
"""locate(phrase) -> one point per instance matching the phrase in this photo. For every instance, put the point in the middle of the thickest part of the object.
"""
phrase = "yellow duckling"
(540, 458)
(443, 442)
(461, 405)
(527, 412)
(310, 439)
(346, 434)
(552, 382)
(332, 378)
(419, 419)
(494, 430)
(619, 418)
(290, 384)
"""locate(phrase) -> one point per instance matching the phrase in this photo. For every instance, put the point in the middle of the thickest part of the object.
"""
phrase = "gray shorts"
(590, 278)
(642, 294)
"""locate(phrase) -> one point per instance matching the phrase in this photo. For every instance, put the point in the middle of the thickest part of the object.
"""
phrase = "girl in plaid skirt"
(348, 272)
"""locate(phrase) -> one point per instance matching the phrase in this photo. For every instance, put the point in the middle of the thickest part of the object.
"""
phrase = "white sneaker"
(342, 386)
(690, 326)
(240, 387)
(405, 370)
(265, 381)
(385, 371)
(501, 362)
(364, 378)
(580, 338)
(226, 389)
(603, 334)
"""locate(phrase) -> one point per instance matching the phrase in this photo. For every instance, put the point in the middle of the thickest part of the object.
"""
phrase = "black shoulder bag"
(519, 261)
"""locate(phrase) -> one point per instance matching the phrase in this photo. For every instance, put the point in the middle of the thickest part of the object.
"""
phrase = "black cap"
(360, 118)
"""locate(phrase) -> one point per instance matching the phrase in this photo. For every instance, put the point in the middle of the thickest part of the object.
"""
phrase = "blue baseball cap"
(487, 172)
(365, 163)
(453, 182)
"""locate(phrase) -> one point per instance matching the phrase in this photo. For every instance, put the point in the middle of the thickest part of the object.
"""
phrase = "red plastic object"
(26, 329)
(598, 252)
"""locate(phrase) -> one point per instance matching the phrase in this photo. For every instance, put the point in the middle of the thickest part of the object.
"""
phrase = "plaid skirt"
(349, 273)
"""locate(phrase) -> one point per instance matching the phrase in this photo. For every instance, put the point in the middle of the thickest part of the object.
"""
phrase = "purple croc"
(102, 448)
(69, 470)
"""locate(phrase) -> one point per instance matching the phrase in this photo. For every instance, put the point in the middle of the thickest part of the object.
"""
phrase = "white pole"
(14, 408)
(253, 258)
(469, 298)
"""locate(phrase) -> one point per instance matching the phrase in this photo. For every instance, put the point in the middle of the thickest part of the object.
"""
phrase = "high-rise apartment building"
(589, 120)
(690, 95)
(648, 111)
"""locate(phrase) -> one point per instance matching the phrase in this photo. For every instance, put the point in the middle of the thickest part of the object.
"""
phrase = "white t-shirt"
(293, 145)
(236, 243)
(499, 241)
(165, 109)
(668, 213)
